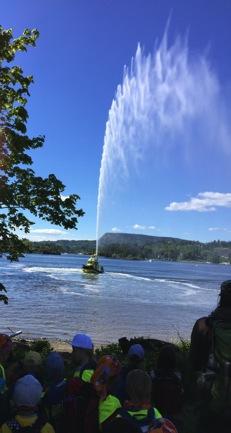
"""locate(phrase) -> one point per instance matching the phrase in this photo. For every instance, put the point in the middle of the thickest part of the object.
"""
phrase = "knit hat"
(107, 368)
(27, 391)
(32, 359)
(82, 341)
(136, 350)
(54, 365)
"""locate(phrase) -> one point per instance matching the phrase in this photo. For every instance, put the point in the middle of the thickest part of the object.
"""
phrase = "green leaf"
(22, 192)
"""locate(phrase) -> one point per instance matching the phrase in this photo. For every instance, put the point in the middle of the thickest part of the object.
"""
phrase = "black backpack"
(149, 424)
(221, 351)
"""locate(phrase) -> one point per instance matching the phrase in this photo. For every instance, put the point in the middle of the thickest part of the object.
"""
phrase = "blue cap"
(136, 350)
(27, 391)
(82, 341)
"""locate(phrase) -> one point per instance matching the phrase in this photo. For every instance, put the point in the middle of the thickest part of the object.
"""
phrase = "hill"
(126, 245)
(134, 239)
(137, 246)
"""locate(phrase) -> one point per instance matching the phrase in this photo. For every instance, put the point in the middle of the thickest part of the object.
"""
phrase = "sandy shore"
(57, 345)
(60, 346)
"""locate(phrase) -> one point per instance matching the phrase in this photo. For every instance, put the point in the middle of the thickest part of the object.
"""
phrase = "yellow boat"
(92, 266)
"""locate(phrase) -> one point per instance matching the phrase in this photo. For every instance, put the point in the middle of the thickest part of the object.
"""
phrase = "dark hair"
(167, 358)
(139, 386)
(225, 294)
(135, 362)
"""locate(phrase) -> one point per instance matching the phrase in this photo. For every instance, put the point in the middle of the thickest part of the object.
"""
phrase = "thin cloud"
(218, 229)
(48, 231)
(115, 230)
(37, 238)
(203, 202)
(138, 227)
(143, 227)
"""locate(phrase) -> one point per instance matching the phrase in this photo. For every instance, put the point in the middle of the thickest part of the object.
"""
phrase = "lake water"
(49, 296)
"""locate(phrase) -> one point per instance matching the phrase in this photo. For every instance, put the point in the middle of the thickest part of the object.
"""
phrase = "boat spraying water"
(168, 103)
(92, 266)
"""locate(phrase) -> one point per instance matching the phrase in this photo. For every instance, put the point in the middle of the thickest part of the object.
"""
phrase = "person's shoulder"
(47, 428)
(112, 399)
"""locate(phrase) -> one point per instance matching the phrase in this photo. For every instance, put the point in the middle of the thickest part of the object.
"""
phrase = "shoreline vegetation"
(59, 345)
(139, 247)
(152, 346)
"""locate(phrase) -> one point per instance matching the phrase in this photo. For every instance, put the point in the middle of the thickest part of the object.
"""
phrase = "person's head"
(167, 358)
(120, 425)
(27, 393)
(139, 386)
(107, 371)
(5, 347)
(136, 356)
(54, 367)
(82, 349)
(225, 294)
(32, 362)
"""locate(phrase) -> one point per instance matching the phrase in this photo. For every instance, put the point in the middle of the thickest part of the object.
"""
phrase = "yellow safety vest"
(107, 407)
(2, 379)
(27, 421)
(85, 375)
(142, 413)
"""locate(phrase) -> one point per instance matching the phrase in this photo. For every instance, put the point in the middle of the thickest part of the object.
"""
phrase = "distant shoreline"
(66, 347)
(59, 345)
(131, 258)
(128, 246)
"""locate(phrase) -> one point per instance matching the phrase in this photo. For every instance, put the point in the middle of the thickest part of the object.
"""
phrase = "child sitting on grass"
(82, 357)
(26, 397)
(107, 371)
(138, 410)
(53, 400)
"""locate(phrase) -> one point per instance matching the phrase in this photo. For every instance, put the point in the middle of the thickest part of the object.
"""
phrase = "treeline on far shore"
(139, 247)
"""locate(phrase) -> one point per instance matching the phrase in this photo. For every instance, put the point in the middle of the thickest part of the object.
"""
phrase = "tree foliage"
(20, 188)
(141, 247)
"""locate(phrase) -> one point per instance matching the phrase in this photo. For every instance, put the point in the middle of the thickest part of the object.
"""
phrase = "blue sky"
(77, 66)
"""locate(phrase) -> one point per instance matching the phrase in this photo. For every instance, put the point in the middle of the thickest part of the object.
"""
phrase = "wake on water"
(50, 270)
(185, 288)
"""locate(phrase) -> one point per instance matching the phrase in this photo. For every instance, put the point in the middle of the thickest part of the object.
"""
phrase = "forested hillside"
(163, 248)
(132, 246)
(62, 246)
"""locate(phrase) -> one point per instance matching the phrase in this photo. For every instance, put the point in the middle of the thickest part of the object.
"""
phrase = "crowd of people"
(91, 395)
